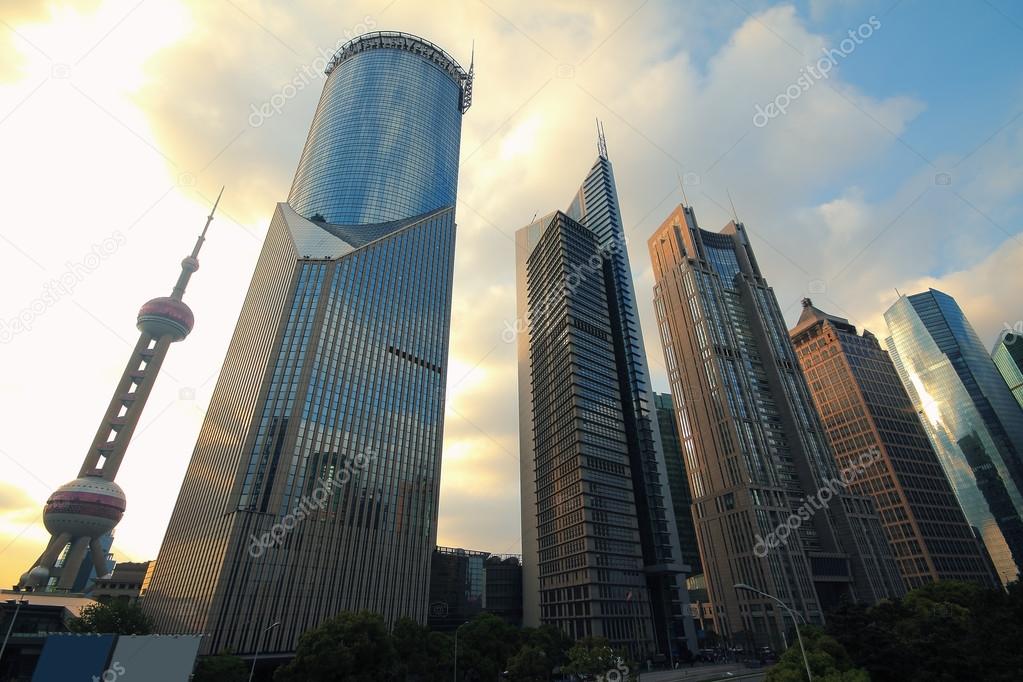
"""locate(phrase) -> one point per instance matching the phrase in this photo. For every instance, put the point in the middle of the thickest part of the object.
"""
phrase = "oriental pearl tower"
(82, 511)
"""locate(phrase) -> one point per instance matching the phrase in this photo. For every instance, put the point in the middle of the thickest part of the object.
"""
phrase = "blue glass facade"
(314, 484)
(384, 142)
(1008, 358)
(956, 389)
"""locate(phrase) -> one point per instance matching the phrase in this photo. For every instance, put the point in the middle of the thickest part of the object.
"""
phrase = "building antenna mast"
(682, 186)
(735, 216)
(601, 140)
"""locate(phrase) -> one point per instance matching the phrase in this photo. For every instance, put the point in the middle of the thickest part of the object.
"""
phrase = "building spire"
(191, 263)
(601, 140)
(735, 215)
(682, 186)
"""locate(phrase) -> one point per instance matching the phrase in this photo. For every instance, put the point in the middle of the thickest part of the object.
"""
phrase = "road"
(707, 673)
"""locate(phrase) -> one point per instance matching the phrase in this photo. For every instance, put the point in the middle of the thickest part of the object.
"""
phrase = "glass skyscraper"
(1008, 357)
(770, 507)
(600, 550)
(313, 486)
(972, 419)
(865, 409)
(678, 482)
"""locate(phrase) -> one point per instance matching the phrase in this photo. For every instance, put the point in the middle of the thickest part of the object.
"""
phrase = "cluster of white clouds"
(674, 100)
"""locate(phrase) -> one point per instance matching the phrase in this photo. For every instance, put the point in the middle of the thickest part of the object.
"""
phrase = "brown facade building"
(864, 408)
(771, 509)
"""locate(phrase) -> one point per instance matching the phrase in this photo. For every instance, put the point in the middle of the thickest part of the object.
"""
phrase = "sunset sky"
(120, 120)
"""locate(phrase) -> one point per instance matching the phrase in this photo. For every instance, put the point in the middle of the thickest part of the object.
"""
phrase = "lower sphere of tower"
(86, 507)
(36, 577)
(166, 316)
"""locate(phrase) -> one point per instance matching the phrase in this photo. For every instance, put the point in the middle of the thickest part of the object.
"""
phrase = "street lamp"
(259, 645)
(455, 678)
(793, 613)
(17, 608)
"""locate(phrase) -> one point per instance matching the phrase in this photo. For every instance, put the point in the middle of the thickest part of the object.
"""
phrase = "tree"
(940, 632)
(594, 656)
(552, 640)
(224, 667)
(422, 655)
(117, 617)
(829, 661)
(350, 646)
(484, 646)
(530, 664)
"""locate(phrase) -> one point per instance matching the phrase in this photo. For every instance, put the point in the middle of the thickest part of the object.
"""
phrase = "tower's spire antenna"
(466, 101)
(735, 216)
(191, 263)
(682, 186)
(601, 140)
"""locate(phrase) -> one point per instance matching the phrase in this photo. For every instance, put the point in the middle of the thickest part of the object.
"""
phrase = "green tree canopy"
(116, 617)
(942, 632)
(594, 656)
(422, 655)
(350, 646)
(484, 646)
(530, 664)
(829, 661)
(224, 667)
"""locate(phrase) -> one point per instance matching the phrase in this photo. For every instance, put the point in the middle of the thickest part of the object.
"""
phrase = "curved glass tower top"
(384, 142)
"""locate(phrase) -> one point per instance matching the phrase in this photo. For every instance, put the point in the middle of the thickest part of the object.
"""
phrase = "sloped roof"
(811, 315)
(327, 240)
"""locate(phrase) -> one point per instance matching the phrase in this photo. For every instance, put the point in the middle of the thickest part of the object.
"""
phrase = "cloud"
(816, 188)
(14, 501)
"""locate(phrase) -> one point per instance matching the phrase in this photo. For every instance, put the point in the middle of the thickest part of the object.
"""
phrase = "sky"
(894, 164)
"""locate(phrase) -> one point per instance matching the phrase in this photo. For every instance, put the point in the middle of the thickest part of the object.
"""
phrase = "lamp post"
(455, 678)
(259, 645)
(10, 628)
(791, 612)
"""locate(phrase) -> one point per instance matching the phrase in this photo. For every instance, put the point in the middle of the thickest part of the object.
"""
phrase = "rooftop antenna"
(466, 96)
(897, 292)
(191, 263)
(735, 216)
(682, 186)
(601, 140)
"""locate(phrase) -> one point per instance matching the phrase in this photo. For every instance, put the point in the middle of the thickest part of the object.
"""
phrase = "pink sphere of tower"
(88, 506)
(165, 316)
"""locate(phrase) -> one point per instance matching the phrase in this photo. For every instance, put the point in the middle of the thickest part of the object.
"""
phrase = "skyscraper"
(864, 409)
(313, 486)
(770, 505)
(81, 515)
(1008, 357)
(458, 587)
(974, 423)
(678, 482)
(600, 551)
